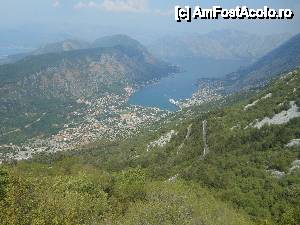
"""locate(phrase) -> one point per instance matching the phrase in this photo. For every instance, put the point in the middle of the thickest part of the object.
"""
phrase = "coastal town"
(207, 91)
(108, 118)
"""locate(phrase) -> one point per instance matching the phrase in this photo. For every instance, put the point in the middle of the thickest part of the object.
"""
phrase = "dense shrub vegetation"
(90, 196)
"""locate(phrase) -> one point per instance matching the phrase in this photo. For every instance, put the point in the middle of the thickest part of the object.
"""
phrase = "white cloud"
(133, 6)
(116, 5)
(125, 5)
(82, 5)
(164, 13)
(56, 3)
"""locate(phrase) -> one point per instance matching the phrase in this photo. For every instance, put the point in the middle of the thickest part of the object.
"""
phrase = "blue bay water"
(182, 85)
(178, 86)
(5, 51)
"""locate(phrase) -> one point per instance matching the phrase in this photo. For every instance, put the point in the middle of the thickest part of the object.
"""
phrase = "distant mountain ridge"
(103, 42)
(73, 44)
(282, 59)
(222, 44)
(66, 45)
(83, 70)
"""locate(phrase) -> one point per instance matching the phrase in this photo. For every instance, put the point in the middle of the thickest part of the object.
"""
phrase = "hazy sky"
(143, 18)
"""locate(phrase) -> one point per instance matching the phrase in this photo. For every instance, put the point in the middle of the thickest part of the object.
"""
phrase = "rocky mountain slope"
(284, 58)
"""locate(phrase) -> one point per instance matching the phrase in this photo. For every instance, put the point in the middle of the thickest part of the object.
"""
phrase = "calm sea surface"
(178, 86)
(182, 85)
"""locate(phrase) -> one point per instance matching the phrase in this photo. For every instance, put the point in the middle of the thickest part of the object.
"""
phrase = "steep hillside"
(284, 58)
(246, 154)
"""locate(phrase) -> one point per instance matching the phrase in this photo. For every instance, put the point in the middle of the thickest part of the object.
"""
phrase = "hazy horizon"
(51, 20)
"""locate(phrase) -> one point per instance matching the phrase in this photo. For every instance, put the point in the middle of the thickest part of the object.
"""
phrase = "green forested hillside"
(249, 173)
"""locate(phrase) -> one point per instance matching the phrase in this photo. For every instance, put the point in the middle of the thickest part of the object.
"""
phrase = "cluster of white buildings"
(207, 92)
(107, 118)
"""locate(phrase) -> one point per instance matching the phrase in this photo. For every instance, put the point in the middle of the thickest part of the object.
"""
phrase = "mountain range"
(282, 59)
(221, 44)
(73, 44)
(216, 53)
(78, 66)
